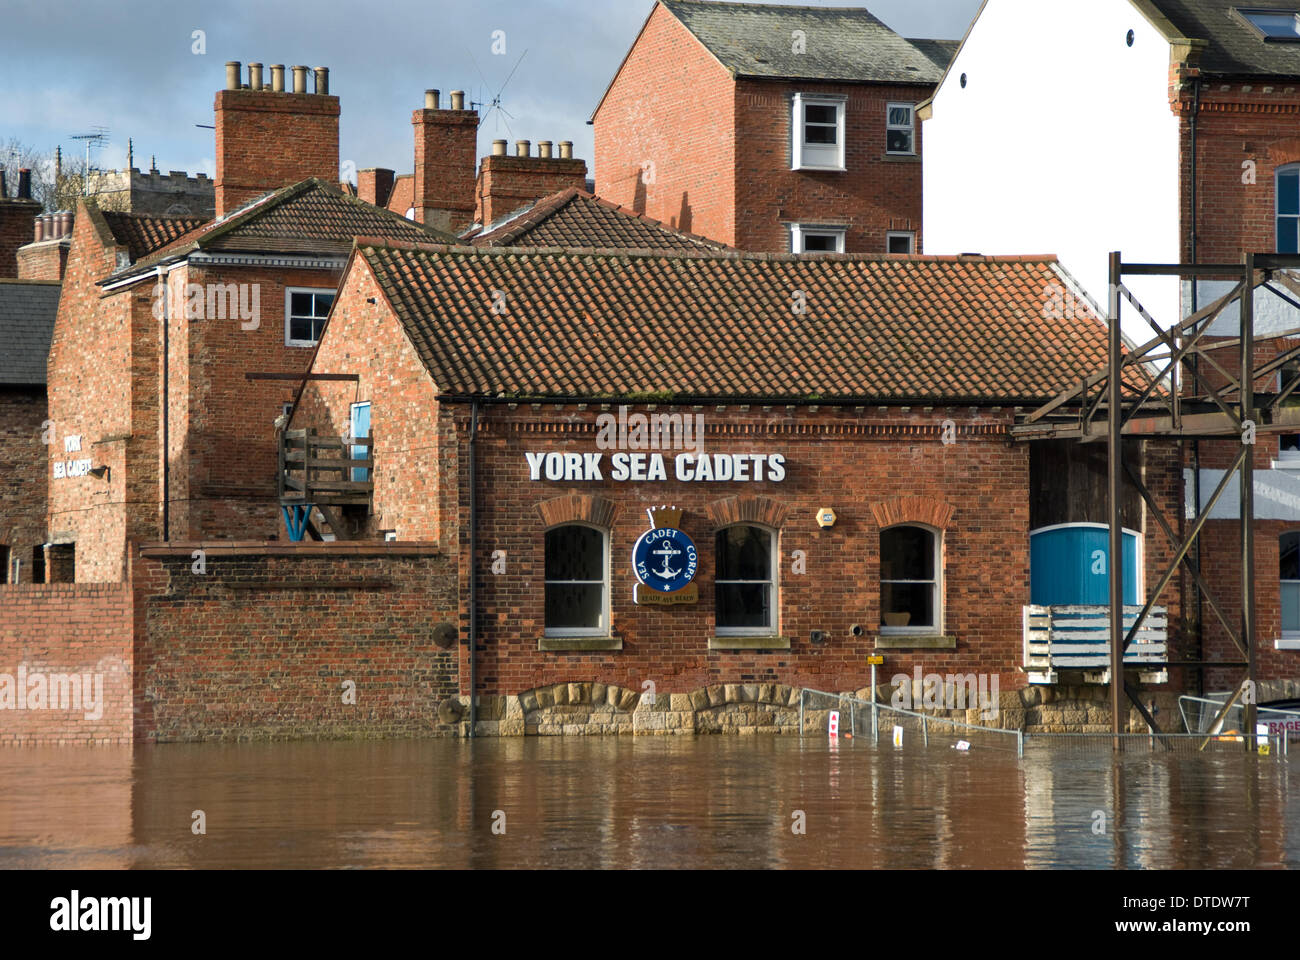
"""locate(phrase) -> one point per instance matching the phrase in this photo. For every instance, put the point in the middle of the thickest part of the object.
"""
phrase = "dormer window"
(818, 133)
(1272, 24)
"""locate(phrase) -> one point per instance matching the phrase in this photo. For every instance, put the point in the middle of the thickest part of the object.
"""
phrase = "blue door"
(360, 430)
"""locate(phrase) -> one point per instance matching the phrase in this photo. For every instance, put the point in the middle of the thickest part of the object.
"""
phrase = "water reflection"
(670, 802)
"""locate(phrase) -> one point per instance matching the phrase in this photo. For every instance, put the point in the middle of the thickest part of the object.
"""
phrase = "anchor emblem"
(666, 551)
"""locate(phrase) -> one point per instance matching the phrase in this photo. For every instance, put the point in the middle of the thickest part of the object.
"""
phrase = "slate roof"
(576, 218)
(846, 44)
(1235, 49)
(27, 310)
(310, 217)
(715, 325)
(142, 234)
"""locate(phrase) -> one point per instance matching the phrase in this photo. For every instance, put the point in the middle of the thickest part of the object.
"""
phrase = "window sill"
(1285, 464)
(902, 158)
(915, 641)
(1287, 643)
(810, 169)
(578, 644)
(749, 643)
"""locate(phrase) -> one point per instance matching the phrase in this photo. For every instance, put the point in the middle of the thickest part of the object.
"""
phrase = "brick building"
(504, 391)
(770, 128)
(17, 216)
(1200, 99)
(27, 310)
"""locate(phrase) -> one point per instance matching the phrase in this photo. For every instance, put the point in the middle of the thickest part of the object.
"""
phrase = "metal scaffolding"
(1162, 389)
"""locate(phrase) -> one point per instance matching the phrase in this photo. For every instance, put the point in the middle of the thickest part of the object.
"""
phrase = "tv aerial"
(494, 105)
(96, 138)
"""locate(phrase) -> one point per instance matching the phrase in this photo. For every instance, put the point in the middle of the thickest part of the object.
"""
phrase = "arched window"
(1289, 575)
(577, 581)
(1288, 209)
(745, 585)
(911, 595)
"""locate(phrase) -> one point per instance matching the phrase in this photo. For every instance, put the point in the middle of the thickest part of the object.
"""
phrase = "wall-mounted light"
(101, 472)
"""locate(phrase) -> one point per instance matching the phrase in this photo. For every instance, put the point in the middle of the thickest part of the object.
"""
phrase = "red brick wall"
(268, 140)
(68, 628)
(16, 229)
(858, 463)
(43, 261)
(375, 185)
(23, 466)
(260, 645)
(507, 183)
(1236, 125)
(876, 194)
(446, 142)
(363, 339)
(670, 113)
(94, 342)
(223, 443)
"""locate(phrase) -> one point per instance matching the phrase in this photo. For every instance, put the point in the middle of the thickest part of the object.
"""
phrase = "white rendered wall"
(1062, 142)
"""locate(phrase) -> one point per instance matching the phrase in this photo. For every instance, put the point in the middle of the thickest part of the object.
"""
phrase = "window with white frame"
(745, 585)
(811, 238)
(900, 129)
(900, 241)
(818, 133)
(305, 310)
(1289, 577)
(577, 581)
(911, 588)
(1288, 444)
(1288, 209)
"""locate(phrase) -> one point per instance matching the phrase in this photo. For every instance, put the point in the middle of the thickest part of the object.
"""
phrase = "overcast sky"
(69, 67)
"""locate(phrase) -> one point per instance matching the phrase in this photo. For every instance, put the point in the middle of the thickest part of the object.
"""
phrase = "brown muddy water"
(642, 802)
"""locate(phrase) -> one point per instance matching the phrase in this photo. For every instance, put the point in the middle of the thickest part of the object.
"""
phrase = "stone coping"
(559, 644)
(749, 643)
(283, 548)
(920, 641)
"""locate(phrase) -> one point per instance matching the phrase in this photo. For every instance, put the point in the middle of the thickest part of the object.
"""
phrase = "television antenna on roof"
(97, 138)
(495, 103)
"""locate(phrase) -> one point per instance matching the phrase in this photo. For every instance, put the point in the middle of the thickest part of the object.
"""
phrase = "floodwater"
(654, 802)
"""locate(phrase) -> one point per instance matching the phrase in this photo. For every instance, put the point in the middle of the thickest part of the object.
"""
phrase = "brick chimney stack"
(17, 218)
(446, 143)
(375, 185)
(268, 138)
(506, 183)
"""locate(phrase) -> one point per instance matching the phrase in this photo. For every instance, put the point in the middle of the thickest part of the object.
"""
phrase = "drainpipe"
(1196, 366)
(161, 274)
(473, 573)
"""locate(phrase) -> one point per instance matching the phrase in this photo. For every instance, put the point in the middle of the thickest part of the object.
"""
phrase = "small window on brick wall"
(817, 129)
(6, 576)
(577, 581)
(1289, 575)
(808, 238)
(61, 563)
(901, 241)
(1288, 209)
(745, 586)
(305, 311)
(910, 580)
(900, 129)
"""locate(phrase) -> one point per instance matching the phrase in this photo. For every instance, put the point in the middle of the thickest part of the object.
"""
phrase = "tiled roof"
(27, 310)
(842, 43)
(576, 218)
(142, 234)
(310, 217)
(940, 52)
(613, 324)
(1235, 49)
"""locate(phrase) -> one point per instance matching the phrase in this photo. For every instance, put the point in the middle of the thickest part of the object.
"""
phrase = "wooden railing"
(319, 470)
(1077, 637)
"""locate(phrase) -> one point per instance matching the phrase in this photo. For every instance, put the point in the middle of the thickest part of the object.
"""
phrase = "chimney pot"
(431, 99)
(40, 230)
(521, 148)
(255, 76)
(232, 74)
(323, 81)
(566, 149)
(299, 79)
(4, 187)
(65, 223)
(458, 99)
(498, 148)
(544, 149)
(277, 78)
(24, 183)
